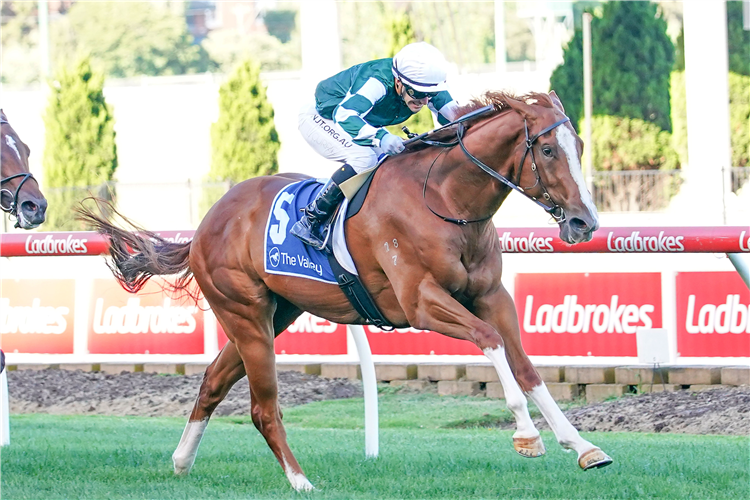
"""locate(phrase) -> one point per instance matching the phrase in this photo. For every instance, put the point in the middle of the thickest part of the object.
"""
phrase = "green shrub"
(630, 144)
(739, 117)
(244, 140)
(632, 57)
(80, 149)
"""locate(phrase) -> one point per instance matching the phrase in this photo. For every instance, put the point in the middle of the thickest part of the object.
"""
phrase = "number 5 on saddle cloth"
(287, 255)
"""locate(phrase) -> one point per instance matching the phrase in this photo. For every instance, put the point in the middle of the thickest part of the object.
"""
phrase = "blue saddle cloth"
(285, 254)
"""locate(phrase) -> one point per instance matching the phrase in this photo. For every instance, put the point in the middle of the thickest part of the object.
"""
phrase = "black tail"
(137, 254)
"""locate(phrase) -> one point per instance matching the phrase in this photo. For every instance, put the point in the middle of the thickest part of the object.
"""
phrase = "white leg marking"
(298, 481)
(568, 144)
(514, 397)
(183, 457)
(566, 434)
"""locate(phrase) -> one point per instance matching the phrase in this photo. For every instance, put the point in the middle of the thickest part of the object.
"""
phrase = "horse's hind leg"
(506, 322)
(226, 370)
(219, 378)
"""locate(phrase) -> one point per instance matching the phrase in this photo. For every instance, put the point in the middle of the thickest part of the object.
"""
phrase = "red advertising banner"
(413, 341)
(147, 323)
(36, 316)
(713, 315)
(307, 335)
(586, 314)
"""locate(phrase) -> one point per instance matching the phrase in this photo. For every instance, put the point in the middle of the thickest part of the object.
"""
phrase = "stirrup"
(304, 230)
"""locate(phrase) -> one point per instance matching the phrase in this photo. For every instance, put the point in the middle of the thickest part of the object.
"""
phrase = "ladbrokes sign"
(151, 322)
(593, 314)
(713, 315)
(36, 316)
(307, 335)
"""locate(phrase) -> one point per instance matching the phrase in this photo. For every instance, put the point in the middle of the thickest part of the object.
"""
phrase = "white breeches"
(331, 142)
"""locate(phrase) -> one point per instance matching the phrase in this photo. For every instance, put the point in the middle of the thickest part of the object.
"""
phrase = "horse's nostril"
(29, 206)
(578, 224)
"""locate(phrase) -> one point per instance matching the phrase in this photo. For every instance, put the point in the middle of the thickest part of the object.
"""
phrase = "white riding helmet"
(422, 67)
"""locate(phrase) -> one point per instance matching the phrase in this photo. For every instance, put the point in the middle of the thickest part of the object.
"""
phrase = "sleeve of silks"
(348, 114)
(444, 106)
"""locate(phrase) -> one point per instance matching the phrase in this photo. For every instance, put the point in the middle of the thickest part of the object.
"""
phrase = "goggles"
(418, 94)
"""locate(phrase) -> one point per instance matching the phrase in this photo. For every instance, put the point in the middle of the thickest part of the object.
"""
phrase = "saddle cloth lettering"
(285, 254)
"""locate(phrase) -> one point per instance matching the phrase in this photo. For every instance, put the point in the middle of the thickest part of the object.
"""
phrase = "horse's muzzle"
(31, 213)
(577, 230)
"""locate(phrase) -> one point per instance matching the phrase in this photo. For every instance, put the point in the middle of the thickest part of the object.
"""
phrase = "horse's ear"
(556, 101)
(521, 107)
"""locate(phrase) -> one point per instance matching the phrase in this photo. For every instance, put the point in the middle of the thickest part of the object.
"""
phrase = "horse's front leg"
(499, 310)
(436, 310)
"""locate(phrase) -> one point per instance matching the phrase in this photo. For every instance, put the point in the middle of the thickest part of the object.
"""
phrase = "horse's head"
(548, 166)
(19, 192)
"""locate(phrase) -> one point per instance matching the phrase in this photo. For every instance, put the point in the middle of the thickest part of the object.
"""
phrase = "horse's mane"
(499, 102)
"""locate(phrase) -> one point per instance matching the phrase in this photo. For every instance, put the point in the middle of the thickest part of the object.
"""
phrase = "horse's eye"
(547, 151)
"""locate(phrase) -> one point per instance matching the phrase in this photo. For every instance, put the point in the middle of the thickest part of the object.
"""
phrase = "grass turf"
(422, 455)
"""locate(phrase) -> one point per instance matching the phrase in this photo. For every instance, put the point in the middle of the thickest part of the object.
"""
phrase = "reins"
(12, 209)
(555, 211)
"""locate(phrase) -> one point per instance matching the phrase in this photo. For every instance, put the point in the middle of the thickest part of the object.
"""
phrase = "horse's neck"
(468, 189)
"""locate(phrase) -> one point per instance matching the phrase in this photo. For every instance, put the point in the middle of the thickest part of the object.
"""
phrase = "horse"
(425, 248)
(19, 198)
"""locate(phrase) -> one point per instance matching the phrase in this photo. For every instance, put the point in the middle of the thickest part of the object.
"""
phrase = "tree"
(80, 150)
(738, 40)
(567, 79)
(126, 39)
(632, 57)
(244, 139)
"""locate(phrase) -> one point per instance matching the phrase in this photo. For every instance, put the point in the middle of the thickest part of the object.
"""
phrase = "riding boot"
(316, 215)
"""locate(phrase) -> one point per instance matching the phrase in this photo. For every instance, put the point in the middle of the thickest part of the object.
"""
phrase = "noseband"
(556, 211)
(12, 209)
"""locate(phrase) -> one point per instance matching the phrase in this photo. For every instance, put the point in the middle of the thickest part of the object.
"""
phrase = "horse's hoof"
(594, 459)
(529, 447)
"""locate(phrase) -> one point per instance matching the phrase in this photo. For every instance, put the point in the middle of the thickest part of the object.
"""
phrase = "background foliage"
(125, 41)
(632, 57)
(621, 143)
(80, 148)
(244, 140)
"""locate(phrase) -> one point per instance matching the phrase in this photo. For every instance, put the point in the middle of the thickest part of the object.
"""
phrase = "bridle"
(556, 211)
(12, 208)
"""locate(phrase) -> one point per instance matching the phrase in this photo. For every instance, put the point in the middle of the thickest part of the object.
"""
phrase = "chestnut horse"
(439, 273)
(19, 198)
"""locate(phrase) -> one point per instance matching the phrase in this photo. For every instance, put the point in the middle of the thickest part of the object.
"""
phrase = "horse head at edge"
(18, 197)
(546, 162)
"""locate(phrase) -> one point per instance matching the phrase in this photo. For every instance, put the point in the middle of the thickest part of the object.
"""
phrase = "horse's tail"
(138, 254)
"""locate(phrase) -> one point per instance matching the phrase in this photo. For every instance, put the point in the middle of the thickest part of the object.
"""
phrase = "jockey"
(352, 107)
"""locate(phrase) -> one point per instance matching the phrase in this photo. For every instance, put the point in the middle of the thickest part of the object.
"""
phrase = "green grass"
(422, 455)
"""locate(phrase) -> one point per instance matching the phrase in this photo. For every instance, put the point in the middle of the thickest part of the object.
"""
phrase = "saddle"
(342, 265)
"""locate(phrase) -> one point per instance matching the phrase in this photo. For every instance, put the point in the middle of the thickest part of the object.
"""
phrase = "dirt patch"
(714, 411)
(64, 392)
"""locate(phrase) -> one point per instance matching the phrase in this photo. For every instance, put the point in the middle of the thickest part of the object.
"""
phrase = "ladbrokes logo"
(527, 244)
(50, 245)
(637, 243)
(572, 317)
(307, 323)
(177, 238)
(729, 317)
(744, 242)
(135, 318)
(34, 319)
